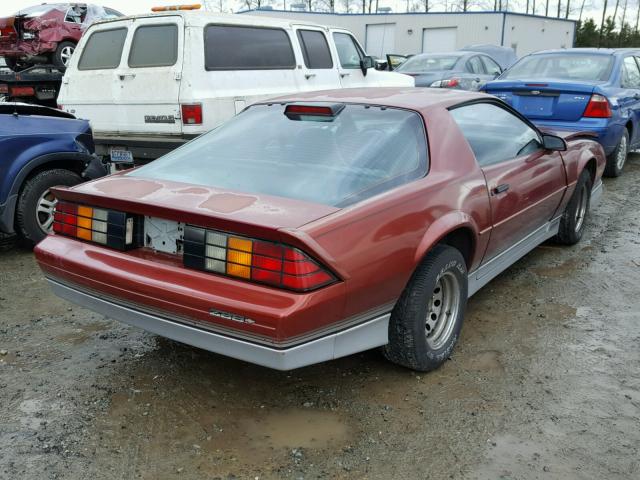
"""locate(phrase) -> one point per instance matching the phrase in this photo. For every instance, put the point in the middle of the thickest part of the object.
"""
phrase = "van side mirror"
(367, 63)
(553, 143)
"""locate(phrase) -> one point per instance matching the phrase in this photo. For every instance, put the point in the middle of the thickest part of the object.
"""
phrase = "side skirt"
(498, 264)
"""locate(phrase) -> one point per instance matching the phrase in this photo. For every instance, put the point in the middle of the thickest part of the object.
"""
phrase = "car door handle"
(344, 74)
(309, 75)
(500, 189)
(125, 75)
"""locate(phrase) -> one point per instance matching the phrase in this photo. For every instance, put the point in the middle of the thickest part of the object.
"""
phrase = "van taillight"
(192, 114)
(253, 260)
(598, 107)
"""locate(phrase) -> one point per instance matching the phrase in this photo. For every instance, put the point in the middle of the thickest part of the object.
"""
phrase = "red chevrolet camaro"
(318, 225)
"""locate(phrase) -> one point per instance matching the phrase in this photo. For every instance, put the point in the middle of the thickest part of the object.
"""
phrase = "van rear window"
(154, 46)
(247, 48)
(103, 50)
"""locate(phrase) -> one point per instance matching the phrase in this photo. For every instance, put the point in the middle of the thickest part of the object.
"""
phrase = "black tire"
(27, 224)
(614, 164)
(12, 63)
(59, 56)
(574, 217)
(408, 335)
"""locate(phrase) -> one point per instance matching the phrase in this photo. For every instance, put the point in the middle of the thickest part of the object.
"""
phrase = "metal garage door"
(439, 39)
(380, 39)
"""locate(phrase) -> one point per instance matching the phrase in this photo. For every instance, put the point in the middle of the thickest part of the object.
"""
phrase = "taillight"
(449, 83)
(192, 114)
(598, 107)
(4, 88)
(7, 31)
(107, 227)
(22, 91)
(254, 260)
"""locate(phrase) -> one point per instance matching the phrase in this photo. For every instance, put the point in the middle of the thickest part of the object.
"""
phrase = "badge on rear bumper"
(230, 316)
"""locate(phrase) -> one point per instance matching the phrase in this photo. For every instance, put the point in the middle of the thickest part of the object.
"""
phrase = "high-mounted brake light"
(107, 227)
(192, 114)
(321, 112)
(254, 260)
(598, 107)
(171, 8)
(22, 91)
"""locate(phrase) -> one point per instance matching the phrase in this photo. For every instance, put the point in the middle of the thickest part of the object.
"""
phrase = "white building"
(411, 33)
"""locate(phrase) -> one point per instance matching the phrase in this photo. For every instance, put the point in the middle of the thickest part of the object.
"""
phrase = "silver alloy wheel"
(44, 210)
(65, 55)
(581, 210)
(621, 157)
(442, 310)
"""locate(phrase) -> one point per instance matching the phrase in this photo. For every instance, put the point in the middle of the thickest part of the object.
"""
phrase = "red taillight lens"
(255, 260)
(598, 107)
(7, 32)
(107, 227)
(22, 91)
(192, 114)
(452, 82)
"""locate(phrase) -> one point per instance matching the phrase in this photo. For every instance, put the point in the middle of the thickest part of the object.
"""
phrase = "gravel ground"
(545, 383)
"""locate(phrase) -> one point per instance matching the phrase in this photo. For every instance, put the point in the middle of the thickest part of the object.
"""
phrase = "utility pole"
(615, 13)
(604, 13)
(546, 10)
(559, 5)
(581, 9)
(637, 18)
(566, 12)
(533, 8)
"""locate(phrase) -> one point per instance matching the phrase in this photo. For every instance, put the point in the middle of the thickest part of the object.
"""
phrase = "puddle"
(295, 428)
(562, 270)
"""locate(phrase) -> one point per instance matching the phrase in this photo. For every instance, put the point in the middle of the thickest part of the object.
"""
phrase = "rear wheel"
(64, 52)
(575, 214)
(34, 215)
(617, 159)
(426, 322)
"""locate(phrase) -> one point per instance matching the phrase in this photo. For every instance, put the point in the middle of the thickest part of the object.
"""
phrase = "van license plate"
(121, 156)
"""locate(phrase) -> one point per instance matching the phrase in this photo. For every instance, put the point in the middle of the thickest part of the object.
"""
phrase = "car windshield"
(568, 66)
(428, 63)
(340, 160)
(39, 10)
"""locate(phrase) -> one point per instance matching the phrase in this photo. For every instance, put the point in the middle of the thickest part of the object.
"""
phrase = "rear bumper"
(364, 336)
(143, 148)
(607, 134)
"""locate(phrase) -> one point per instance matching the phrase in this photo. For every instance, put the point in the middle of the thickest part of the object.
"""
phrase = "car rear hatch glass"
(337, 158)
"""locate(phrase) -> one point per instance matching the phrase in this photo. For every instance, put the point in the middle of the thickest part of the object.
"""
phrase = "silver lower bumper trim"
(370, 334)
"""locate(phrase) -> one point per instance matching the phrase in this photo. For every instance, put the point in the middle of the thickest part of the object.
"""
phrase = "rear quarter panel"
(24, 138)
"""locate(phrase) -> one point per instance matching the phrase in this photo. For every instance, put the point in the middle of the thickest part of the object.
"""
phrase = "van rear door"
(126, 79)
(150, 76)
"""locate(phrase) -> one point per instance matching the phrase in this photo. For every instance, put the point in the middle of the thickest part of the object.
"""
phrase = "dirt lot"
(545, 383)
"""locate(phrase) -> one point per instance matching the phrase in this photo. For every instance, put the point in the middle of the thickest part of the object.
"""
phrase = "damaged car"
(47, 33)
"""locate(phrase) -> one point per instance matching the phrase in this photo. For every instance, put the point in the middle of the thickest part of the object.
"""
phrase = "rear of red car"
(234, 272)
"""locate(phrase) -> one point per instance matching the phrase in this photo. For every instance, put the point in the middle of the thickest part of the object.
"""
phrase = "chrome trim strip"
(494, 267)
(370, 334)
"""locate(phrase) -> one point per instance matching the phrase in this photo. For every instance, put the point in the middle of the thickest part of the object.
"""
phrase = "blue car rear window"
(362, 151)
(562, 66)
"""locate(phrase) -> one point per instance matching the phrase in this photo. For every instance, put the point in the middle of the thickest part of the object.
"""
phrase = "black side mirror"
(553, 143)
(367, 63)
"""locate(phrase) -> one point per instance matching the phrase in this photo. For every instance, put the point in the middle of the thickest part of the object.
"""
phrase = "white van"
(148, 83)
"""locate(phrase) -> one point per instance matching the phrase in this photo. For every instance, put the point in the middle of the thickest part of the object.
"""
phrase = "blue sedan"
(40, 148)
(580, 89)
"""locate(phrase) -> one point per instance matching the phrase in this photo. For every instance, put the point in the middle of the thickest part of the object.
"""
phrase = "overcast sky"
(129, 7)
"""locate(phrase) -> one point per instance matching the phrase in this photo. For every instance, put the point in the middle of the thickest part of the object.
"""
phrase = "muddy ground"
(545, 383)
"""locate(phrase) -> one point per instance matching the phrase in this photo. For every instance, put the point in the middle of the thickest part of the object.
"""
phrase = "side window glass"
(315, 49)
(154, 46)
(494, 134)
(630, 73)
(491, 67)
(103, 50)
(348, 51)
(475, 65)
